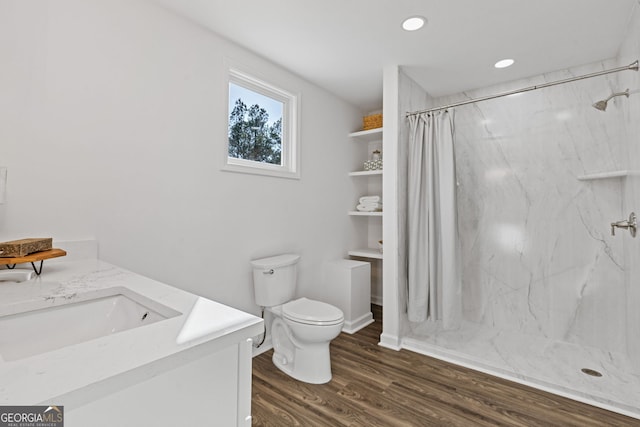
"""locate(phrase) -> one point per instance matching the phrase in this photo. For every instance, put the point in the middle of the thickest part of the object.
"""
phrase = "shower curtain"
(434, 288)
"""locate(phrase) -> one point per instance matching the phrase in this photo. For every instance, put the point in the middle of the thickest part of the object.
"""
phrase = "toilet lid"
(312, 312)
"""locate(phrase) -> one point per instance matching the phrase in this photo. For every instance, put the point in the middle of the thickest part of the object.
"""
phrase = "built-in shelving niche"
(370, 137)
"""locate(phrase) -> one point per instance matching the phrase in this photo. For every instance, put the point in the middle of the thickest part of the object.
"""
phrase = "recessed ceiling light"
(414, 23)
(504, 63)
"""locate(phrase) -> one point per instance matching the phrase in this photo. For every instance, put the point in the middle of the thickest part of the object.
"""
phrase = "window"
(262, 128)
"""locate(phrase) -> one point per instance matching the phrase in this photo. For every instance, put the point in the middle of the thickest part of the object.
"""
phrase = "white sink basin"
(49, 328)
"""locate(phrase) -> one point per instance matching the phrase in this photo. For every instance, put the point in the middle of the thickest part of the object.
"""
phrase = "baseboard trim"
(390, 341)
(355, 325)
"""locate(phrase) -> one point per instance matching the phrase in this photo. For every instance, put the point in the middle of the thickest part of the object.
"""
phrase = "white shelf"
(367, 135)
(366, 173)
(358, 213)
(607, 175)
(366, 253)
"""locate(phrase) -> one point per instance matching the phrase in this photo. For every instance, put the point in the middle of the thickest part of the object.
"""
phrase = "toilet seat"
(310, 312)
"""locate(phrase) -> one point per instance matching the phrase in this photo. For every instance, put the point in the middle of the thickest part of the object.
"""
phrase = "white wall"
(391, 293)
(113, 127)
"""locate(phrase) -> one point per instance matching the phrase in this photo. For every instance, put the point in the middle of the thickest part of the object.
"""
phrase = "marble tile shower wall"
(538, 256)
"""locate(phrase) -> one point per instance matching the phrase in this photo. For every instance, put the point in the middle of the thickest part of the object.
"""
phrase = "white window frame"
(290, 154)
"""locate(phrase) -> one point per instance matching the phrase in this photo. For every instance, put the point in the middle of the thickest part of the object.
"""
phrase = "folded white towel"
(373, 199)
(370, 207)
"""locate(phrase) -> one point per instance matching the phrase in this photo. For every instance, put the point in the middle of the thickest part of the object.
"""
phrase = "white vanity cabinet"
(192, 367)
(203, 387)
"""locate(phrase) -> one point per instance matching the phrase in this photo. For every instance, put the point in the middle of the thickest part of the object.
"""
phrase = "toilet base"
(310, 365)
(305, 361)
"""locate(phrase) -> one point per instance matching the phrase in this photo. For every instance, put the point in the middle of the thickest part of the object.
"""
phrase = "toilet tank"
(274, 279)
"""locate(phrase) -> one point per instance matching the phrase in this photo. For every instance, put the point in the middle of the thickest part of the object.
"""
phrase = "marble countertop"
(82, 372)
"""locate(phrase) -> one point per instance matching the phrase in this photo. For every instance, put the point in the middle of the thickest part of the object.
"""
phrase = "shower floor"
(550, 365)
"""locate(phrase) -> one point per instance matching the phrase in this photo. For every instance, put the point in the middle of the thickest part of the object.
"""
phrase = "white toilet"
(302, 329)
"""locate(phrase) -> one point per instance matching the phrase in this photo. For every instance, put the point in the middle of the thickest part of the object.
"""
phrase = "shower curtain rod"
(632, 66)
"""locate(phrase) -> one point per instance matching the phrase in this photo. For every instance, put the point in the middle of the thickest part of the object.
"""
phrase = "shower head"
(602, 105)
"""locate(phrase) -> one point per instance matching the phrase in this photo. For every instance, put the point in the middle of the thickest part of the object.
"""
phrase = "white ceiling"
(343, 45)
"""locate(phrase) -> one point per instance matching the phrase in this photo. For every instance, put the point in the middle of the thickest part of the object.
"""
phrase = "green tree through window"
(251, 137)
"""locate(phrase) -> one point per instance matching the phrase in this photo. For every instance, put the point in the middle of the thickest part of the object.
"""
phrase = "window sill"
(265, 171)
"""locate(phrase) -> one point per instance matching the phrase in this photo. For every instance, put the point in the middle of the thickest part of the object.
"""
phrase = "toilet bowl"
(302, 328)
(301, 332)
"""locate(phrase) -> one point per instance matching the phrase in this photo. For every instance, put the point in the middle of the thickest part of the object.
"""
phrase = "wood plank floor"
(375, 386)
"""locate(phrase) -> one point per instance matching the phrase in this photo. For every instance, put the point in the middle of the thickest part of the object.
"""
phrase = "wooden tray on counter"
(34, 257)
